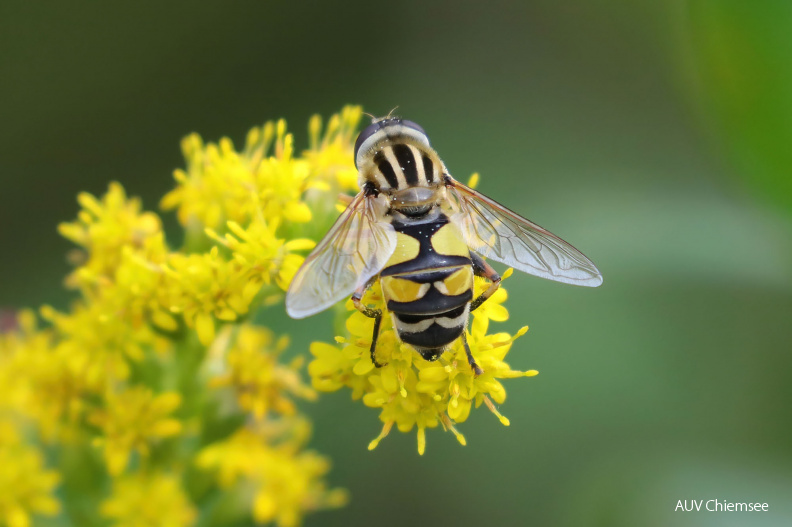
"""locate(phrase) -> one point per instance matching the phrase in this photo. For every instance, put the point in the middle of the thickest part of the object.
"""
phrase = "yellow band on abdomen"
(401, 290)
(449, 241)
(457, 283)
(407, 248)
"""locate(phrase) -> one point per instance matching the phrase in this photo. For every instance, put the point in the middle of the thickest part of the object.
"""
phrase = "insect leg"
(376, 314)
(478, 371)
(374, 337)
(482, 268)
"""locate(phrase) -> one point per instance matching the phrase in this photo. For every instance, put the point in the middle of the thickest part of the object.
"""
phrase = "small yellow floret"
(131, 421)
(261, 384)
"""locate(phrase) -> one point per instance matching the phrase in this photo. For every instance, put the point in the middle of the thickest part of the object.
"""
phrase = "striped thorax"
(393, 156)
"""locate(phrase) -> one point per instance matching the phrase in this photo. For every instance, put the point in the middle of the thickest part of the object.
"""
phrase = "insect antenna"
(378, 119)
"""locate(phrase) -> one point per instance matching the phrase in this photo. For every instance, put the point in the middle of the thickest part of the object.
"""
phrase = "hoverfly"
(424, 236)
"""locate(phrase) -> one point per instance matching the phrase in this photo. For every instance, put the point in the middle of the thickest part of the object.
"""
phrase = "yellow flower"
(286, 482)
(148, 500)
(132, 420)
(25, 485)
(98, 342)
(260, 255)
(204, 286)
(261, 383)
(331, 153)
(97, 369)
(105, 229)
(221, 184)
(259, 197)
(410, 391)
(40, 381)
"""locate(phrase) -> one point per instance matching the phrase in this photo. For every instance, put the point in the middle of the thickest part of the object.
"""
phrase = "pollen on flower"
(409, 391)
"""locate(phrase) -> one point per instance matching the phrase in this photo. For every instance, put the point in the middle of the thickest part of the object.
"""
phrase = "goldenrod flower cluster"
(155, 396)
(157, 400)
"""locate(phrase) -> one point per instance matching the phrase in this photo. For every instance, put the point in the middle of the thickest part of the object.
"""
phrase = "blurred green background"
(657, 139)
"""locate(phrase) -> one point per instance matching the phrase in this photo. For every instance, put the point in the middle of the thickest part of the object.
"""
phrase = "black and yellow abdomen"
(428, 284)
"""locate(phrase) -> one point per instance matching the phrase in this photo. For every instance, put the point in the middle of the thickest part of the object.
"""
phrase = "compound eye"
(414, 126)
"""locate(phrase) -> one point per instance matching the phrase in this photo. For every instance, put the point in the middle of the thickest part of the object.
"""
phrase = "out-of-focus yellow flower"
(331, 153)
(286, 481)
(98, 341)
(25, 485)
(132, 420)
(261, 384)
(106, 228)
(148, 500)
(39, 381)
(206, 286)
(410, 391)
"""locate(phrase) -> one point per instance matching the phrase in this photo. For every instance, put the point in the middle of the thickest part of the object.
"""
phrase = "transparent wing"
(354, 250)
(494, 231)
